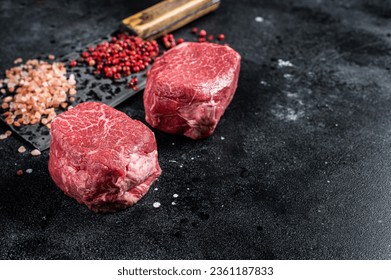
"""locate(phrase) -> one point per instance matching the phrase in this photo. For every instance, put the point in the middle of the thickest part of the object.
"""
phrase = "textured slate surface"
(299, 167)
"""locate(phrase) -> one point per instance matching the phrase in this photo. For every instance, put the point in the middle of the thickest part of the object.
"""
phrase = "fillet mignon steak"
(101, 157)
(189, 87)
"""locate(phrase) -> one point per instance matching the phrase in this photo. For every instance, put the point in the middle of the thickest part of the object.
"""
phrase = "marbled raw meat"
(189, 87)
(101, 157)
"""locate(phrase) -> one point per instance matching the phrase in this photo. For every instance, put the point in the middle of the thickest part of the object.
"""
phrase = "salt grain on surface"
(288, 76)
(21, 149)
(29, 170)
(35, 152)
(175, 195)
(173, 203)
(18, 60)
(259, 19)
(282, 63)
(156, 204)
(39, 88)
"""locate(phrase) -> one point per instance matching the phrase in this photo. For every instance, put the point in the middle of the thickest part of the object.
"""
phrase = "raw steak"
(189, 88)
(101, 157)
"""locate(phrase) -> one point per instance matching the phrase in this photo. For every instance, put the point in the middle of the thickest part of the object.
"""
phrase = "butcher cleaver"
(151, 23)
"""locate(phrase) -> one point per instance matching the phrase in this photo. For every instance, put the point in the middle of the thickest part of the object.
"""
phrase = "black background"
(298, 168)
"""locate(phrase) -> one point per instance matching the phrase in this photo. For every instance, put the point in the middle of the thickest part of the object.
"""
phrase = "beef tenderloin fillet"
(189, 87)
(101, 157)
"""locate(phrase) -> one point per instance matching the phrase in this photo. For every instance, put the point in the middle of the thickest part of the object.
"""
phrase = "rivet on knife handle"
(167, 16)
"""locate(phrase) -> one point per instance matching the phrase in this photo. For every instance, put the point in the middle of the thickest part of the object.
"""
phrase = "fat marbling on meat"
(101, 157)
(189, 87)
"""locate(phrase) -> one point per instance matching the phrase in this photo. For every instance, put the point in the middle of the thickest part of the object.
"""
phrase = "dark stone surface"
(303, 170)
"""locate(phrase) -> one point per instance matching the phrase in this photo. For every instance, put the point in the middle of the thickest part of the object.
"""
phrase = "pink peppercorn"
(221, 37)
(202, 33)
(121, 56)
(72, 63)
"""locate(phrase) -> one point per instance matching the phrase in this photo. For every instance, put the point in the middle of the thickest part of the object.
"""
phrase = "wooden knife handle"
(167, 16)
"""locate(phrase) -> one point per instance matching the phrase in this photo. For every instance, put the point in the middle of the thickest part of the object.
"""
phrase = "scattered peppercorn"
(203, 36)
(73, 63)
(202, 33)
(169, 41)
(19, 172)
(133, 83)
